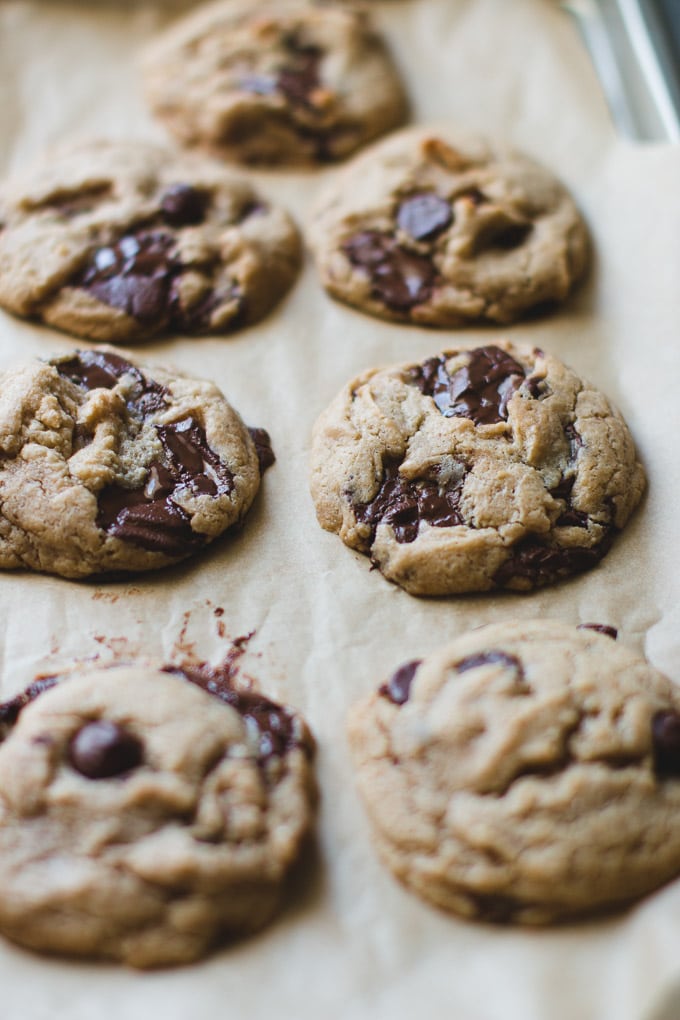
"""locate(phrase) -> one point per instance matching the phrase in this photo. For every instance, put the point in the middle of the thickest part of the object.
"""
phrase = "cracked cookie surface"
(438, 228)
(284, 82)
(141, 817)
(122, 241)
(105, 467)
(493, 467)
(527, 772)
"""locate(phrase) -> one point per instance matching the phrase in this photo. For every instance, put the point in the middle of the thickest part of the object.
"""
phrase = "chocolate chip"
(537, 387)
(480, 390)
(95, 369)
(183, 205)
(398, 687)
(103, 749)
(135, 275)
(666, 742)
(400, 278)
(263, 447)
(601, 628)
(485, 658)
(277, 731)
(563, 488)
(573, 519)
(403, 504)
(423, 216)
(541, 563)
(299, 77)
(149, 516)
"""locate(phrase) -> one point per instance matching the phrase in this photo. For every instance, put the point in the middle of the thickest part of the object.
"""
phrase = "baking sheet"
(352, 944)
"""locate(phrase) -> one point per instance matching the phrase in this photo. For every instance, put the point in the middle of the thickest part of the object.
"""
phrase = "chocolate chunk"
(574, 438)
(277, 731)
(563, 488)
(541, 564)
(537, 387)
(403, 504)
(299, 77)
(666, 742)
(94, 369)
(103, 749)
(263, 447)
(480, 390)
(149, 516)
(156, 524)
(484, 658)
(183, 205)
(135, 275)
(573, 519)
(10, 710)
(601, 628)
(425, 215)
(400, 278)
(398, 687)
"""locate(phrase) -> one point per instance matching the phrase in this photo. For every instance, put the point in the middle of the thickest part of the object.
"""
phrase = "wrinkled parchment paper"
(351, 943)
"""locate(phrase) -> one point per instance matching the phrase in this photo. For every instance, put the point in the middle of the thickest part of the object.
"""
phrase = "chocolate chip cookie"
(524, 772)
(144, 817)
(274, 82)
(495, 467)
(440, 229)
(106, 467)
(122, 241)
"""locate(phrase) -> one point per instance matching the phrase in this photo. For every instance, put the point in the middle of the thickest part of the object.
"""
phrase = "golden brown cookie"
(493, 467)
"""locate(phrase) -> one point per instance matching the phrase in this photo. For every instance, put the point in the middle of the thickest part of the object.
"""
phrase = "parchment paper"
(352, 944)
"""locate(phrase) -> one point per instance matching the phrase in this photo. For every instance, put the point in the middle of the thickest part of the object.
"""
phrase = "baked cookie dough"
(477, 469)
(437, 228)
(281, 81)
(122, 241)
(104, 467)
(525, 772)
(141, 818)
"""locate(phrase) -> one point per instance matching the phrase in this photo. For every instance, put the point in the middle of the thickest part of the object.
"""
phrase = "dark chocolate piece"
(401, 278)
(601, 628)
(666, 742)
(424, 215)
(541, 564)
(94, 369)
(149, 516)
(263, 446)
(398, 687)
(403, 504)
(299, 75)
(102, 749)
(278, 731)
(134, 274)
(183, 205)
(573, 519)
(480, 390)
